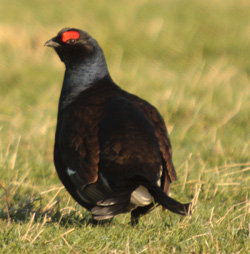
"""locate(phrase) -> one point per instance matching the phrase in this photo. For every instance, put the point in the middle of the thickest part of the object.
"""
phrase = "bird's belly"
(141, 197)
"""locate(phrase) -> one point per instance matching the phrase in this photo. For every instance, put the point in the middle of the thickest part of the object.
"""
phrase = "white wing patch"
(70, 171)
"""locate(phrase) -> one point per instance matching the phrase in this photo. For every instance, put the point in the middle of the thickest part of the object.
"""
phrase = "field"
(188, 58)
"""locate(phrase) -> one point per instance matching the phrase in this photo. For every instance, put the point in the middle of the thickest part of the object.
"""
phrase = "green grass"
(188, 58)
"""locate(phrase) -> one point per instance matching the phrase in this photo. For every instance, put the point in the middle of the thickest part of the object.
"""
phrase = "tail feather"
(169, 203)
(109, 208)
(174, 206)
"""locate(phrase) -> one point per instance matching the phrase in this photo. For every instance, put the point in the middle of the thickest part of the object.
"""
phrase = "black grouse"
(112, 150)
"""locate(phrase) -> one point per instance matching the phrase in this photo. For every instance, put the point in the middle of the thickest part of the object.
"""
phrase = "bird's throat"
(79, 78)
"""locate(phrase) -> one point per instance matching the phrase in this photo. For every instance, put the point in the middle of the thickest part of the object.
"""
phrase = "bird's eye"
(71, 41)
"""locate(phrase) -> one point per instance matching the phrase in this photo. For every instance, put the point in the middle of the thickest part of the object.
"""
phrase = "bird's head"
(73, 45)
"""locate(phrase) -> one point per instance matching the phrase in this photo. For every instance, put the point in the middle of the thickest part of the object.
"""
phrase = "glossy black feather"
(112, 150)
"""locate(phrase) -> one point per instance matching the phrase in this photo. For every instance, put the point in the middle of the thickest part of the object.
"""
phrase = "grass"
(188, 58)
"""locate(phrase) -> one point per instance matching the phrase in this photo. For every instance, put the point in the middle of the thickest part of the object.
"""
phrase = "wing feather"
(161, 133)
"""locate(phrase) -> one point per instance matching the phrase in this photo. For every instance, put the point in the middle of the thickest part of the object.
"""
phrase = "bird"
(112, 150)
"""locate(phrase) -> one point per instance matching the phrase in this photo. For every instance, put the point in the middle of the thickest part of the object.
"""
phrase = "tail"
(169, 203)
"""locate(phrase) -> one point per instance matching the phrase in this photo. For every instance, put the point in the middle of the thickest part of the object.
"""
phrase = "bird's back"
(128, 145)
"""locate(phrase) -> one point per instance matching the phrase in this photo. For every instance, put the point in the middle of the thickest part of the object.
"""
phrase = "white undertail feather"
(141, 197)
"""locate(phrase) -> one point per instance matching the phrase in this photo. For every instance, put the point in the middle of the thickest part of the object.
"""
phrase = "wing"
(161, 133)
(79, 144)
(76, 151)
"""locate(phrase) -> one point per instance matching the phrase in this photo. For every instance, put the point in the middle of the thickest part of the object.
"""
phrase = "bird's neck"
(80, 77)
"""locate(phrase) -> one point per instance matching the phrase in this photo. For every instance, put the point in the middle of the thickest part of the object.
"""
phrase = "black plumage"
(112, 150)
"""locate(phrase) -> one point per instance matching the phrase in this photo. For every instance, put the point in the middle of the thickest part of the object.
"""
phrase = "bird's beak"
(52, 43)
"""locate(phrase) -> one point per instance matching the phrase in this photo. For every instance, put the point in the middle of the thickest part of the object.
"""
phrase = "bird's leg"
(135, 215)
(138, 212)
